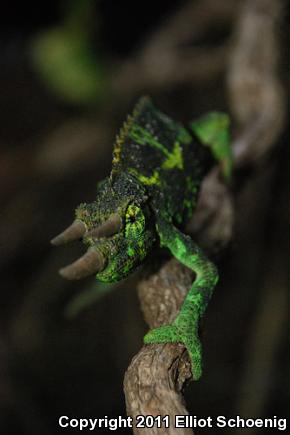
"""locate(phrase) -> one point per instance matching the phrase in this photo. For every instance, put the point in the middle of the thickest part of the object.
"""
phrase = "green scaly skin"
(157, 169)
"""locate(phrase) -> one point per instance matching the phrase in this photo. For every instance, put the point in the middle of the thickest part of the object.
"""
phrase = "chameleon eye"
(135, 221)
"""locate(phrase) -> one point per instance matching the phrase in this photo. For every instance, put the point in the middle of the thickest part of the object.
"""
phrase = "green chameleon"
(150, 194)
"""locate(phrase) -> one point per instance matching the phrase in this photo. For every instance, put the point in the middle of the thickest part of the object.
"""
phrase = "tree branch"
(255, 92)
(168, 57)
(153, 383)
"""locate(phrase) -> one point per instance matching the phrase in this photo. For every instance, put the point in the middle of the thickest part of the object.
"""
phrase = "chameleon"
(145, 202)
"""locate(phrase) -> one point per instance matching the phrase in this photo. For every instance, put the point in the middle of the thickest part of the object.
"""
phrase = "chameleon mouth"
(93, 261)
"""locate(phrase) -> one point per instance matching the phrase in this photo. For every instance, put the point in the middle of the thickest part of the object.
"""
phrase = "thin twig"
(167, 58)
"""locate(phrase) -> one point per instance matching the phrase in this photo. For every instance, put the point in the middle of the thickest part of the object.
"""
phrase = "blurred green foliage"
(66, 60)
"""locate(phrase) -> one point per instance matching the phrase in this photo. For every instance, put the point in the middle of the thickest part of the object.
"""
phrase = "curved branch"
(255, 91)
(154, 380)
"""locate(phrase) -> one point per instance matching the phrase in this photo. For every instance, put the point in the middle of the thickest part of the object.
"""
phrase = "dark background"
(54, 147)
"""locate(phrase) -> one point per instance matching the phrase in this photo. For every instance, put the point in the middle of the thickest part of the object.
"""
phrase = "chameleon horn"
(111, 226)
(91, 262)
(75, 231)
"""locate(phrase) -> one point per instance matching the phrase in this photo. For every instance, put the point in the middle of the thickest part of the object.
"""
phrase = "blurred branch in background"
(256, 95)
(172, 55)
(169, 57)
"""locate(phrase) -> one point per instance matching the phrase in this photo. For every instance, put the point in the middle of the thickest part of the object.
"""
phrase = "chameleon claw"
(172, 334)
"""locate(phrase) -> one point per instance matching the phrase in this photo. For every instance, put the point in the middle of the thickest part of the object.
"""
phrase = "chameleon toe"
(163, 334)
(171, 334)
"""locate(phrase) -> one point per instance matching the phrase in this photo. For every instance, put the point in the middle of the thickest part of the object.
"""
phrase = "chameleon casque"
(151, 193)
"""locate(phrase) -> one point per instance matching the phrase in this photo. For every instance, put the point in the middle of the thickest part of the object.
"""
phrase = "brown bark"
(157, 374)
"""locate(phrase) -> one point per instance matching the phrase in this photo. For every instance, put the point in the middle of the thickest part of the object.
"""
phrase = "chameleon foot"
(173, 334)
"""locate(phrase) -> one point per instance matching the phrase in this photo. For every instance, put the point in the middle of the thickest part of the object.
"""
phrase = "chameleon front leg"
(184, 328)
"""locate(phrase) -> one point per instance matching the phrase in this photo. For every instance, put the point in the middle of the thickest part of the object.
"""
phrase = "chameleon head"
(117, 229)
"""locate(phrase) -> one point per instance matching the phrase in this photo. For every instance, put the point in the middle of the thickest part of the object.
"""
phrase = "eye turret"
(135, 222)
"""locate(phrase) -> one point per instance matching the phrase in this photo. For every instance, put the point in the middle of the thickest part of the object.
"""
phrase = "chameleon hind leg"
(184, 328)
(213, 130)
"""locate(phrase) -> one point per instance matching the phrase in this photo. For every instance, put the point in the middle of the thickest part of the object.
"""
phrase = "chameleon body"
(157, 169)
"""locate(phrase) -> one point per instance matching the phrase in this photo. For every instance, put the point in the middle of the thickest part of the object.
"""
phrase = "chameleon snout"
(93, 261)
